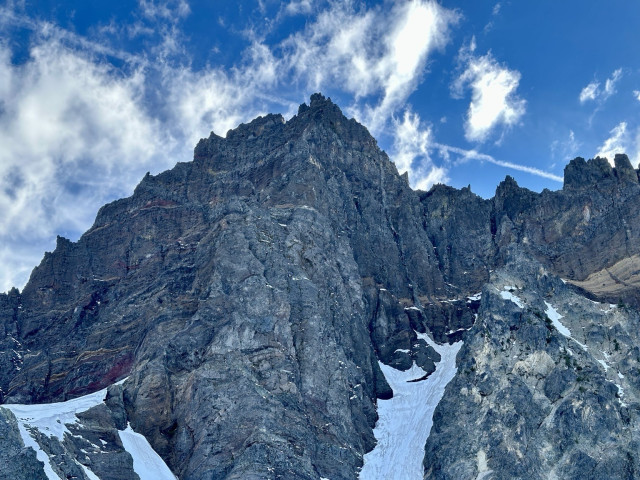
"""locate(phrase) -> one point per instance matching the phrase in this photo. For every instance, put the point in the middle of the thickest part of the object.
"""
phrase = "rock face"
(249, 295)
(547, 385)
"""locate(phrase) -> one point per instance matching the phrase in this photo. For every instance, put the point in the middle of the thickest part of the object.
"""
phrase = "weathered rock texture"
(533, 403)
(249, 295)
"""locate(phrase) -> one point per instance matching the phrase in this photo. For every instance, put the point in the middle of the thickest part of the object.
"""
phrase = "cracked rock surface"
(248, 296)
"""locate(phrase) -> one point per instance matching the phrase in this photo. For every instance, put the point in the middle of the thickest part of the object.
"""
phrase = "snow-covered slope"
(146, 462)
(44, 425)
(405, 420)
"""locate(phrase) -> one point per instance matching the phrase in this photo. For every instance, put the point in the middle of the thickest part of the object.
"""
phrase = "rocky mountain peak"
(249, 298)
(511, 198)
(581, 174)
(624, 170)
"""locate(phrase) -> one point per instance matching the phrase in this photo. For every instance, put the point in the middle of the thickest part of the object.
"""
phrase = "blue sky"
(95, 94)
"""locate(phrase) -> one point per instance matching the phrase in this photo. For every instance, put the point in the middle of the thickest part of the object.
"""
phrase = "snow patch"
(555, 317)
(405, 421)
(483, 469)
(451, 332)
(146, 462)
(620, 395)
(51, 419)
(90, 475)
(508, 295)
(474, 298)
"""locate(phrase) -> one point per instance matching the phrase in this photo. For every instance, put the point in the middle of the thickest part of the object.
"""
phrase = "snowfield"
(507, 294)
(51, 419)
(146, 462)
(405, 420)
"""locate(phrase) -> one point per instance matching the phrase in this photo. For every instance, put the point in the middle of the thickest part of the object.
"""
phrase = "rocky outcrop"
(17, 462)
(250, 294)
(546, 386)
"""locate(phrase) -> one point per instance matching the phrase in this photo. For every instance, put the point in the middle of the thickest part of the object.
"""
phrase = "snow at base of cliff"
(51, 419)
(405, 420)
(146, 462)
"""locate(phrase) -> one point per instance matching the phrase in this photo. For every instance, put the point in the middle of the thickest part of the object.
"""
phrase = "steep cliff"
(248, 297)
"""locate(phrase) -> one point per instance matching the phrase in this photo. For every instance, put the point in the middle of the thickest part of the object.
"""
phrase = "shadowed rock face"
(587, 227)
(249, 294)
(242, 294)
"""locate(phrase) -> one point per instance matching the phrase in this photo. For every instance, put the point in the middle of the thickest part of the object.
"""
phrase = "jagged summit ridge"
(598, 171)
(251, 294)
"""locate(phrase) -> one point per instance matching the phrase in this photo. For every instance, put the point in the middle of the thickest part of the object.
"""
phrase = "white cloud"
(370, 52)
(411, 152)
(171, 10)
(297, 7)
(494, 13)
(466, 155)
(618, 142)
(493, 94)
(590, 92)
(610, 84)
(593, 92)
(636, 93)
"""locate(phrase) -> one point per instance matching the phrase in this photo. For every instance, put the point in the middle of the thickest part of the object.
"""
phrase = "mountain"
(249, 312)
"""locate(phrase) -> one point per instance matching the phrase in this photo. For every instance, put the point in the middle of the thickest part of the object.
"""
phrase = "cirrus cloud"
(412, 144)
(593, 92)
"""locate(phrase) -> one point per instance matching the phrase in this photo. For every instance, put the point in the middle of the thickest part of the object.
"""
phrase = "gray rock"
(16, 461)
(249, 296)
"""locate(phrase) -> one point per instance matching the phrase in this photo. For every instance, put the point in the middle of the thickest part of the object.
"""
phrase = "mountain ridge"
(249, 295)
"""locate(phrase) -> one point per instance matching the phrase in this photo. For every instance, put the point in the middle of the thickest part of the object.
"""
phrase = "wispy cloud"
(636, 94)
(412, 145)
(370, 52)
(494, 101)
(618, 142)
(590, 92)
(610, 84)
(472, 154)
(166, 10)
(297, 7)
(495, 12)
(565, 149)
(593, 92)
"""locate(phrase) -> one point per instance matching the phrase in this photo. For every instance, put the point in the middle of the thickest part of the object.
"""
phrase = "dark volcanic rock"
(249, 296)
(238, 291)
(16, 461)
